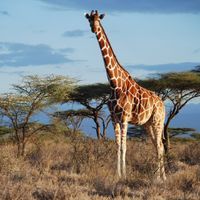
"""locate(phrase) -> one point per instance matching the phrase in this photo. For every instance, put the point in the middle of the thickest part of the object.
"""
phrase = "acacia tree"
(177, 89)
(196, 69)
(34, 94)
(94, 97)
(72, 119)
(173, 132)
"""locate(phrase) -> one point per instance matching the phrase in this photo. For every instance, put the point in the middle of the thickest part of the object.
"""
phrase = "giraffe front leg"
(118, 141)
(124, 127)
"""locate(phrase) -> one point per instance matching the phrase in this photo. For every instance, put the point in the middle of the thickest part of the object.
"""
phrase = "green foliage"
(53, 88)
(86, 93)
(5, 130)
(181, 80)
(72, 119)
(94, 97)
(69, 113)
(34, 94)
(180, 131)
(172, 83)
(196, 69)
(178, 89)
(136, 132)
(196, 136)
(182, 140)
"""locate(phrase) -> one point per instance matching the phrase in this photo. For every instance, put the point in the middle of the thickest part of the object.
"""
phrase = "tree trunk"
(166, 141)
(19, 144)
(98, 128)
(104, 129)
(23, 148)
(18, 149)
(104, 133)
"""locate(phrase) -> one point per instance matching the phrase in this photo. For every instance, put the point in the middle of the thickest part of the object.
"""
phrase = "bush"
(191, 154)
(84, 168)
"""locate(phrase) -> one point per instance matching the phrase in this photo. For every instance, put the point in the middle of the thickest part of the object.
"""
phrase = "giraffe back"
(133, 103)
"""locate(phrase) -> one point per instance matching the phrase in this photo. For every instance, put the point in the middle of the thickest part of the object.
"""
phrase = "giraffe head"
(94, 20)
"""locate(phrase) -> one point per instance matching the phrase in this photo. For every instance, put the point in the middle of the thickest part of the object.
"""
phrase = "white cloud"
(20, 54)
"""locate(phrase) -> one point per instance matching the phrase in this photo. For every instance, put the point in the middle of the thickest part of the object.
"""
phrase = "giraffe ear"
(101, 16)
(87, 15)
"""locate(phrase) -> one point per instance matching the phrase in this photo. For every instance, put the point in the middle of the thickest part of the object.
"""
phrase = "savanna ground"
(59, 166)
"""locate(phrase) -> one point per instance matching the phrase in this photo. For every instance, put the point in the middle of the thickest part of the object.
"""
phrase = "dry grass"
(81, 168)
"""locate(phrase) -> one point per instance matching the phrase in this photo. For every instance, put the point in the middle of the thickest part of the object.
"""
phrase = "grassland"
(56, 166)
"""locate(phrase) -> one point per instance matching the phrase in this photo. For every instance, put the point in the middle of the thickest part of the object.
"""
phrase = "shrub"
(191, 154)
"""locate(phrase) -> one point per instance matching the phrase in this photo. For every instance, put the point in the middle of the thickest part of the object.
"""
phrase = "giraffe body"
(129, 102)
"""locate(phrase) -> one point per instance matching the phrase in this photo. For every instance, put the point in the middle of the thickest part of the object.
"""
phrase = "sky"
(47, 37)
(53, 37)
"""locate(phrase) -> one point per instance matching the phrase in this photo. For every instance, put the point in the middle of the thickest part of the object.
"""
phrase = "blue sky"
(53, 37)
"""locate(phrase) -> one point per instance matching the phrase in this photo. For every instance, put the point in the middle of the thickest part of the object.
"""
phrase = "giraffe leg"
(150, 132)
(156, 137)
(118, 141)
(158, 130)
(161, 156)
(123, 138)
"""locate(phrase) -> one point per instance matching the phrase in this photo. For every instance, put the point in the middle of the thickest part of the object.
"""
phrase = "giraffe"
(129, 102)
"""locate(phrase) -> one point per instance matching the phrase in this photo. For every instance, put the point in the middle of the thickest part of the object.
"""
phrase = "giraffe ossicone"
(129, 102)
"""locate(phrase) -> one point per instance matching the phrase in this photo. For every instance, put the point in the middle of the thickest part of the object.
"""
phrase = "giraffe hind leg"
(155, 133)
(158, 130)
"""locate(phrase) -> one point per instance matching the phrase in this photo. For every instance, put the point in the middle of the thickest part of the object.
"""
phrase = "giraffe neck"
(113, 68)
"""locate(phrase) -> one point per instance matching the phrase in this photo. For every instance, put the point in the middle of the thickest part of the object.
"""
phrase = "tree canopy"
(85, 94)
(34, 94)
(94, 97)
(178, 89)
